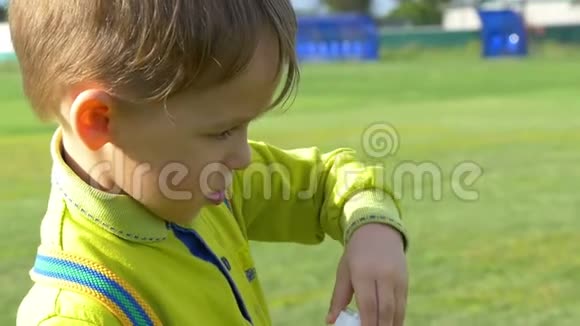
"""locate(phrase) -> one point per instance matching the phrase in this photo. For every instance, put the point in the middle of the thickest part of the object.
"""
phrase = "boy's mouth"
(216, 198)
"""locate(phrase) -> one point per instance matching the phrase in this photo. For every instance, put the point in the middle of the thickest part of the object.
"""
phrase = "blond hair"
(143, 49)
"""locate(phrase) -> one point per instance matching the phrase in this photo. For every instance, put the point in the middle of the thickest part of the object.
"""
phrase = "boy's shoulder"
(47, 306)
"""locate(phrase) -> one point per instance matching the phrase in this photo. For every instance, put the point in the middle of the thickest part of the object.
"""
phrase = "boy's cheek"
(167, 197)
(171, 187)
(177, 182)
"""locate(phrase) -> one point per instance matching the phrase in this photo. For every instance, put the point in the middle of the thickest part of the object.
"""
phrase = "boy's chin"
(184, 220)
(184, 212)
(181, 214)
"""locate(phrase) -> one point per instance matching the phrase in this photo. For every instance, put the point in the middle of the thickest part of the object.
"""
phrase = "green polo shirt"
(198, 274)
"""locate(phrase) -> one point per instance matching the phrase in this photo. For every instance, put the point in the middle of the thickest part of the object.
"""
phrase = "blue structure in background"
(503, 33)
(337, 37)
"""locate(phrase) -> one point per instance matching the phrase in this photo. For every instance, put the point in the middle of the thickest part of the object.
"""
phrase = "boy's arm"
(302, 195)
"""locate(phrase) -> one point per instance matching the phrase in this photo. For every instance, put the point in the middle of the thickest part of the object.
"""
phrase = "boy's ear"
(90, 117)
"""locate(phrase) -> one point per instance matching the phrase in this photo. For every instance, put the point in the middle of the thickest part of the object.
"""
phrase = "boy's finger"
(367, 301)
(386, 303)
(342, 294)
(401, 294)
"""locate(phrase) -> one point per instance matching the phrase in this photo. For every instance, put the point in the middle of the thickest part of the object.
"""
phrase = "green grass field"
(509, 258)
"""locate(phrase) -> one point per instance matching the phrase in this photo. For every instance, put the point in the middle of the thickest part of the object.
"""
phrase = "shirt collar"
(117, 214)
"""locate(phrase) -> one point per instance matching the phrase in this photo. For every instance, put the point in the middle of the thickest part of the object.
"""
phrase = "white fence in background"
(5, 40)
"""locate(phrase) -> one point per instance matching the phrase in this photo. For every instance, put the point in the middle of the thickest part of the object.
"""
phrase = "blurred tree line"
(416, 12)
(3, 10)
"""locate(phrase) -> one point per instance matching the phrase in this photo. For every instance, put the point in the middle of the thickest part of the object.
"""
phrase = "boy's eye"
(224, 135)
(227, 133)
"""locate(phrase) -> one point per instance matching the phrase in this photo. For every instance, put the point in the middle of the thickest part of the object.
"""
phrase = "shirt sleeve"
(302, 195)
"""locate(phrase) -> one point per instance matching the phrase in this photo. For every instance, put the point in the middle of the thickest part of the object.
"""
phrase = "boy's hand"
(374, 269)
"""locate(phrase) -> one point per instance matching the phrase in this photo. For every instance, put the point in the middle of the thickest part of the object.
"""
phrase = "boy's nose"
(240, 157)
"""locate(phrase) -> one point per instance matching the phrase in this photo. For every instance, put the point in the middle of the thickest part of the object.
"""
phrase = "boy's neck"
(68, 155)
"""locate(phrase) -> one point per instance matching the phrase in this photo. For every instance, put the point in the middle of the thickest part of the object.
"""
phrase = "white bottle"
(348, 318)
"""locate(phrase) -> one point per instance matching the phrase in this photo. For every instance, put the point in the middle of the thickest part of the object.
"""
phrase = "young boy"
(156, 190)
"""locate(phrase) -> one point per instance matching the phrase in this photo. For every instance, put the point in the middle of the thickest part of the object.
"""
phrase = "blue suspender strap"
(81, 275)
(228, 204)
